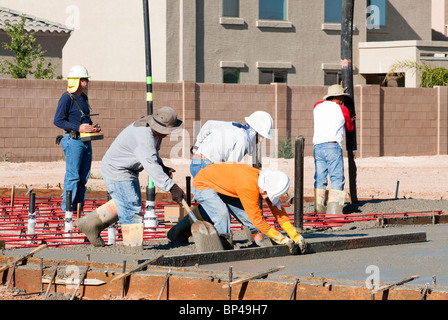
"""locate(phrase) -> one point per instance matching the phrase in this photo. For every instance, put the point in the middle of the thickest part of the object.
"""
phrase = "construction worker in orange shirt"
(224, 188)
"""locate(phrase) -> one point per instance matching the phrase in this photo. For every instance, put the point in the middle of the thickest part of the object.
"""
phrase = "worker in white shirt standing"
(331, 120)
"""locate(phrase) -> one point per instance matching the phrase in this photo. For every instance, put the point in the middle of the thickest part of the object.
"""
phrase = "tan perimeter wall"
(390, 121)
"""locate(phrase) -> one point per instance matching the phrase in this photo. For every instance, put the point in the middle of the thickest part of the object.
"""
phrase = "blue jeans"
(216, 208)
(198, 164)
(78, 161)
(127, 198)
(328, 161)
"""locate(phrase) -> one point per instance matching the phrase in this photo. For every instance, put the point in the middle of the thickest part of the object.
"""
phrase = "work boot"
(96, 221)
(181, 231)
(133, 234)
(226, 240)
(320, 200)
(336, 201)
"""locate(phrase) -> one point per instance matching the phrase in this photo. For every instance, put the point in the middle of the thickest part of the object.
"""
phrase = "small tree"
(25, 54)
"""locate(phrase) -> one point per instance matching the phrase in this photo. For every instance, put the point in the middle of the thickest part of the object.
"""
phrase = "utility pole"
(347, 81)
(150, 211)
(149, 107)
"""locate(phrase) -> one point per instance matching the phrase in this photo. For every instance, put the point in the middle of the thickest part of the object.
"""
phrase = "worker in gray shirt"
(135, 149)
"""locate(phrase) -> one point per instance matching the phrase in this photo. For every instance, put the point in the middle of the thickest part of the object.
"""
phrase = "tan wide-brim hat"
(335, 90)
(163, 120)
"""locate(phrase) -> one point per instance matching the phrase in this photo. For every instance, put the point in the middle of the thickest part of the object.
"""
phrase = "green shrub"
(429, 76)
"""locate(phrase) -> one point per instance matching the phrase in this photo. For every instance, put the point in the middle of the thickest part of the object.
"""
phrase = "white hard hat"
(78, 72)
(275, 183)
(261, 122)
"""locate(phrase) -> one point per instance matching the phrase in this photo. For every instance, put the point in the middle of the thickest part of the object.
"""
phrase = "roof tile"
(32, 23)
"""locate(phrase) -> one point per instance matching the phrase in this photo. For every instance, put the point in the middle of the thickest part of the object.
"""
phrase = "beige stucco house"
(244, 41)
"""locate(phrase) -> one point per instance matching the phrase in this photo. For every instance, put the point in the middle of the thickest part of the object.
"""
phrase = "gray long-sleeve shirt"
(135, 149)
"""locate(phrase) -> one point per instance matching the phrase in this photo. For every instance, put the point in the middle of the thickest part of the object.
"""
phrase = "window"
(272, 9)
(231, 75)
(231, 8)
(269, 76)
(376, 14)
(332, 77)
(333, 11)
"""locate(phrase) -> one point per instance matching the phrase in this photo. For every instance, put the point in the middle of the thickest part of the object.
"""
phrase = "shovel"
(204, 233)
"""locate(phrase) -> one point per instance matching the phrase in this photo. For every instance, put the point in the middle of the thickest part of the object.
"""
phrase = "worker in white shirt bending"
(221, 141)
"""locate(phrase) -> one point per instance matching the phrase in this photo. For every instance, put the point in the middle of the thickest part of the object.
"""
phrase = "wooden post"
(298, 181)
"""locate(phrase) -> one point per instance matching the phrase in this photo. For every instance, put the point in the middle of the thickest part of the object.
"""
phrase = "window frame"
(227, 70)
(284, 10)
(273, 73)
(228, 6)
(326, 11)
(328, 73)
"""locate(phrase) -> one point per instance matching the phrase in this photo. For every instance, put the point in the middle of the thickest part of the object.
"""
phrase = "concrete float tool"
(204, 233)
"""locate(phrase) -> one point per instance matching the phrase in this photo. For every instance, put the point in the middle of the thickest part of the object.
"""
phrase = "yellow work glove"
(295, 236)
(278, 238)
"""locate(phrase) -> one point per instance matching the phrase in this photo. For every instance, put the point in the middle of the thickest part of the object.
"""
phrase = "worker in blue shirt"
(73, 116)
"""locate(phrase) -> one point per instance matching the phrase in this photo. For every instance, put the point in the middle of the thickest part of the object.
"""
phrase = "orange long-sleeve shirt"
(240, 181)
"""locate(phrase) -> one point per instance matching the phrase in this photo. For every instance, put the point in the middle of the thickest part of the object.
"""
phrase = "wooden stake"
(257, 276)
(168, 274)
(11, 276)
(293, 290)
(138, 268)
(52, 280)
(78, 211)
(24, 257)
(123, 281)
(70, 282)
(229, 291)
(81, 281)
(12, 195)
(389, 286)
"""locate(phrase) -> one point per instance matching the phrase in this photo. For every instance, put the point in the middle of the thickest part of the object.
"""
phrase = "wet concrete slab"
(387, 262)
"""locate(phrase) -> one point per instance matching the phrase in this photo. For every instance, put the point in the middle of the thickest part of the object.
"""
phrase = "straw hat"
(335, 90)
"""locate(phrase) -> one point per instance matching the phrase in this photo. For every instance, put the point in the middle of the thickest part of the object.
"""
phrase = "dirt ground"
(423, 177)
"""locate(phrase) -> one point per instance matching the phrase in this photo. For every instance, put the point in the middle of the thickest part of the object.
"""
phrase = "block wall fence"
(390, 121)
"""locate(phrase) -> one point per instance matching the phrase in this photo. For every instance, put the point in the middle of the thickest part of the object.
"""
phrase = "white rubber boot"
(96, 221)
(336, 201)
(320, 200)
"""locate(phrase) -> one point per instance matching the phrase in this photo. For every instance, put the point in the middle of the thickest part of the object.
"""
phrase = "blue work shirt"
(67, 116)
